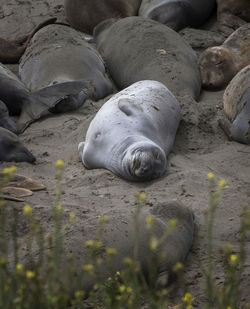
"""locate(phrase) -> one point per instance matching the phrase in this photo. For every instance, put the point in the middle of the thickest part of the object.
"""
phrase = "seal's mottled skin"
(219, 64)
(177, 14)
(232, 14)
(236, 101)
(11, 51)
(133, 133)
(85, 15)
(11, 149)
(136, 48)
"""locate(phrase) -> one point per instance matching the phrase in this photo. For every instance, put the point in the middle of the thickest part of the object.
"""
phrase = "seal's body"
(85, 15)
(236, 101)
(135, 48)
(177, 14)
(232, 14)
(133, 133)
(219, 64)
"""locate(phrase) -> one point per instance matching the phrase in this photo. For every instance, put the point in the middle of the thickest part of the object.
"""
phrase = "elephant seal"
(120, 233)
(58, 54)
(236, 101)
(11, 149)
(177, 14)
(133, 132)
(219, 64)
(85, 15)
(232, 14)
(135, 48)
(11, 51)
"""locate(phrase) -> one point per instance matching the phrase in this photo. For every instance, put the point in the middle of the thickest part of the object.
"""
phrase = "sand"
(200, 148)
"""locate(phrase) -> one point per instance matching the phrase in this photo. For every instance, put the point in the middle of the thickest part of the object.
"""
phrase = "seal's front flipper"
(128, 107)
(20, 181)
(5, 121)
(225, 125)
(56, 98)
(16, 192)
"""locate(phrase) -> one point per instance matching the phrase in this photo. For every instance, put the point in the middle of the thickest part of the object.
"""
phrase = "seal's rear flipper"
(56, 99)
(20, 181)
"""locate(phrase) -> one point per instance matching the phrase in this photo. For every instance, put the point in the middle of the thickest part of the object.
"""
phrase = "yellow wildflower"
(177, 267)
(88, 267)
(30, 274)
(72, 217)
(129, 290)
(59, 207)
(27, 210)
(19, 267)
(89, 243)
(210, 176)
(98, 244)
(127, 261)
(122, 288)
(142, 197)
(188, 299)
(104, 220)
(153, 244)
(149, 221)
(222, 183)
(60, 164)
(79, 294)
(111, 251)
(233, 259)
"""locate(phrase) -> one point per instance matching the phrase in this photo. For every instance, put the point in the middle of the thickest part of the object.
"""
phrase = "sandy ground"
(200, 148)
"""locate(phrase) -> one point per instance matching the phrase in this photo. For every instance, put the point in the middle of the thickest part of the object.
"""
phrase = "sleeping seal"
(236, 101)
(232, 14)
(133, 133)
(177, 14)
(85, 15)
(120, 233)
(219, 64)
(135, 48)
(59, 54)
(11, 51)
(11, 149)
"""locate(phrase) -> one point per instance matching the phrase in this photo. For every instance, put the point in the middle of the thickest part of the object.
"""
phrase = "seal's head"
(144, 161)
(217, 67)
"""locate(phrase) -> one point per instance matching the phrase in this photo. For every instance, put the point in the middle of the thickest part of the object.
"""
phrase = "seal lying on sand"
(236, 100)
(85, 15)
(177, 14)
(58, 54)
(232, 14)
(219, 64)
(11, 51)
(120, 233)
(133, 132)
(135, 48)
(11, 149)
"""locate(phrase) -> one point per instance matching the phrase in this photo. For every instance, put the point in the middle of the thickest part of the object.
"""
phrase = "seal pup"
(232, 14)
(219, 64)
(133, 132)
(85, 15)
(11, 149)
(11, 51)
(135, 48)
(177, 14)
(236, 101)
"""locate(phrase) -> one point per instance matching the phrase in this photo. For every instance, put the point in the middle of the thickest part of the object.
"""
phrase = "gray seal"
(85, 15)
(11, 149)
(133, 133)
(236, 101)
(135, 48)
(120, 233)
(177, 14)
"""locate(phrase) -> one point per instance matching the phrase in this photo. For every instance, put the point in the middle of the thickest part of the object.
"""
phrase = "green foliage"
(48, 279)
